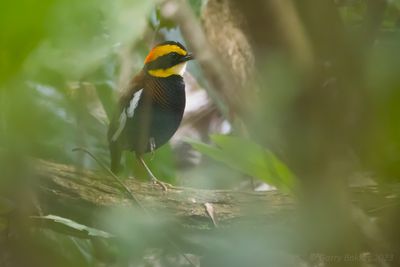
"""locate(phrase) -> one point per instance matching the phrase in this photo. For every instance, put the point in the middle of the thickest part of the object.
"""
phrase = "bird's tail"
(115, 153)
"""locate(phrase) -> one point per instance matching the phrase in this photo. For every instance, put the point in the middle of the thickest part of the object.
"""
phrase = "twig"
(116, 178)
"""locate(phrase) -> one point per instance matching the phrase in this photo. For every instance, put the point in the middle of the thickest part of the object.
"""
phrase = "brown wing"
(115, 145)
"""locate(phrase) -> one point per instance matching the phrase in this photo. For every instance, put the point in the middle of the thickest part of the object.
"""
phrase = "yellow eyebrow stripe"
(162, 50)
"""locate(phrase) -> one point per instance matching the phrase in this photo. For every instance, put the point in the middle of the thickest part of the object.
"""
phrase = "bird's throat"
(178, 69)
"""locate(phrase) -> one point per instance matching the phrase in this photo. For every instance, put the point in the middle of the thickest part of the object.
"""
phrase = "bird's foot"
(164, 186)
(154, 180)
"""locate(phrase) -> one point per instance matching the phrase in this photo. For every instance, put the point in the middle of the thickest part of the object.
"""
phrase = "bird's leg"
(152, 177)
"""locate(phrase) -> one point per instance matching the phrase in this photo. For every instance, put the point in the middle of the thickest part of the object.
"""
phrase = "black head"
(166, 59)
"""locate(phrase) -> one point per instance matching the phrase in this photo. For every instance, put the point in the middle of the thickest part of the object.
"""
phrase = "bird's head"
(166, 59)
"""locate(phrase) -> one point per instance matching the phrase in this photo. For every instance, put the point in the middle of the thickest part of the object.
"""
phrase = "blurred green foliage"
(69, 227)
(250, 159)
(59, 69)
(61, 65)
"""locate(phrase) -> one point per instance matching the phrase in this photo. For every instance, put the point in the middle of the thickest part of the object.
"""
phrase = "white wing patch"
(127, 113)
(134, 102)
(122, 121)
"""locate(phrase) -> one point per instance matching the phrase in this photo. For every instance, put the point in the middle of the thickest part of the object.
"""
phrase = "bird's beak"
(188, 57)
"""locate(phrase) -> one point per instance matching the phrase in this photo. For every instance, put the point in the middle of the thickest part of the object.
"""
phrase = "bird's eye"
(174, 55)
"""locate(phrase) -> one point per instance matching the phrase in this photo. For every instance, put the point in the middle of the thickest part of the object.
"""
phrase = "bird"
(150, 109)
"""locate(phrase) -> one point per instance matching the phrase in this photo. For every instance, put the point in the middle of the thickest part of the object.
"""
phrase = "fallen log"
(68, 191)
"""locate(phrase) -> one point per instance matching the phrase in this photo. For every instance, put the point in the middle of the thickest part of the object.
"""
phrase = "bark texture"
(67, 191)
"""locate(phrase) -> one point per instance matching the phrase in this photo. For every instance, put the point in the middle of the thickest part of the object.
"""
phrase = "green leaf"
(249, 158)
(67, 226)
